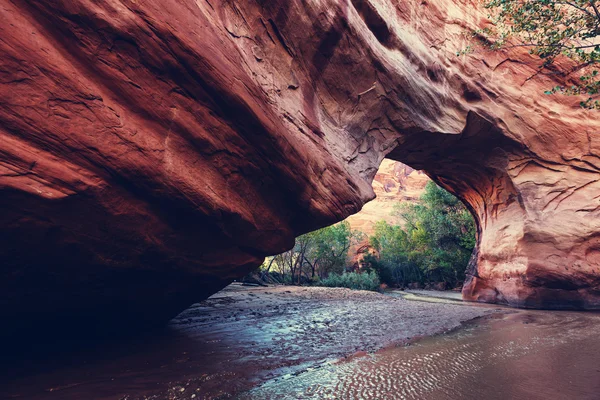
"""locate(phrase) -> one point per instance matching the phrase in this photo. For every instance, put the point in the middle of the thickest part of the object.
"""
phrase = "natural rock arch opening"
(522, 257)
(474, 166)
(150, 154)
(414, 234)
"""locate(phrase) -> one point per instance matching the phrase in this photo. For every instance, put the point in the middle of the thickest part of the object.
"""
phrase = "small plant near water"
(352, 280)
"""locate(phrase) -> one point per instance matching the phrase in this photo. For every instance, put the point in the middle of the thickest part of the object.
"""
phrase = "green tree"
(330, 251)
(315, 254)
(353, 280)
(394, 246)
(552, 29)
(433, 243)
(442, 232)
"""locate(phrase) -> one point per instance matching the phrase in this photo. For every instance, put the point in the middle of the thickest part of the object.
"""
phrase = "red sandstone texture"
(393, 184)
(152, 151)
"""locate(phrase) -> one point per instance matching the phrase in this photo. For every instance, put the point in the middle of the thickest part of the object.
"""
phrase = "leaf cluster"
(552, 29)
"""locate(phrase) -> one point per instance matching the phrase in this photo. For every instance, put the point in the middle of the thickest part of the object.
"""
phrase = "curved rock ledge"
(151, 152)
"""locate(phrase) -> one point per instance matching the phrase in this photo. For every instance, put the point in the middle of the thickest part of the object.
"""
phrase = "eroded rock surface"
(152, 151)
(393, 184)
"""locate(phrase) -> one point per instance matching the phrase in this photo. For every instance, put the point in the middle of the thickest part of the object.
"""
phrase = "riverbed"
(323, 343)
(525, 355)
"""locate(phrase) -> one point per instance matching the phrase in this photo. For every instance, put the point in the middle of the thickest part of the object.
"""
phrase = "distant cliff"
(394, 183)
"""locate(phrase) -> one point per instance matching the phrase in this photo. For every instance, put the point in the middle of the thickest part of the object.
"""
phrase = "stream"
(317, 343)
(523, 355)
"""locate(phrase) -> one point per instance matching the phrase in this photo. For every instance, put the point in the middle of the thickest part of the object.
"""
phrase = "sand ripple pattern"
(493, 361)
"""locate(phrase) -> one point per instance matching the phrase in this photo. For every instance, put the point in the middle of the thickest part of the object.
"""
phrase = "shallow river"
(525, 355)
(233, 347)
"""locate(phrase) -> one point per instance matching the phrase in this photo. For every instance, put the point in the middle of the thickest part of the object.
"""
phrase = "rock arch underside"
(153, 151)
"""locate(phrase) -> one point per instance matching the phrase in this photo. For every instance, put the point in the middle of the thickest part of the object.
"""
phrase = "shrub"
(432, 244)
(352, 280)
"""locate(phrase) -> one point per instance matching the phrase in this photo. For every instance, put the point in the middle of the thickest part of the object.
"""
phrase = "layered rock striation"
(151, 152)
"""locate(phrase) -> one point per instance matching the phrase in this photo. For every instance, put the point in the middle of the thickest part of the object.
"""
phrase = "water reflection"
(525, 355)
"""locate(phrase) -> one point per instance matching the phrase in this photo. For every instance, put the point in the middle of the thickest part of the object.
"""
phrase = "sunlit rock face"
(394, 183)
(152, 151)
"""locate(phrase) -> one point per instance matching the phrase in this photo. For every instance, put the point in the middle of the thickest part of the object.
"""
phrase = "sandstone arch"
(153, 151)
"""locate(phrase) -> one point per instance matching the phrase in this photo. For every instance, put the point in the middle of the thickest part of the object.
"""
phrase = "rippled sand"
(236, 340)
(525, 355)
(318, 343)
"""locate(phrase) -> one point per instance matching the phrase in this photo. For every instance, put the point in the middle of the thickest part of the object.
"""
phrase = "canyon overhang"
(153, 151)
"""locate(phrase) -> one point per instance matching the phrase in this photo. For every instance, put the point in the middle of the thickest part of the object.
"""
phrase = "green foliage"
(352, 280)
(394, 247)
(434, 243)
(330, 251)
(314, 255)
(552, 28)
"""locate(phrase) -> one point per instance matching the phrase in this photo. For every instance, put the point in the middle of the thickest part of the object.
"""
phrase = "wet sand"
(525, 355)
(239, 339)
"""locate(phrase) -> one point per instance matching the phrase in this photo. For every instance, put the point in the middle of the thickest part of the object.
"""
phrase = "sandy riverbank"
(243, 336)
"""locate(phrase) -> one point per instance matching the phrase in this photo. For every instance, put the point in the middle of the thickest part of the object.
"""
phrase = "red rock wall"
(152, 151)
